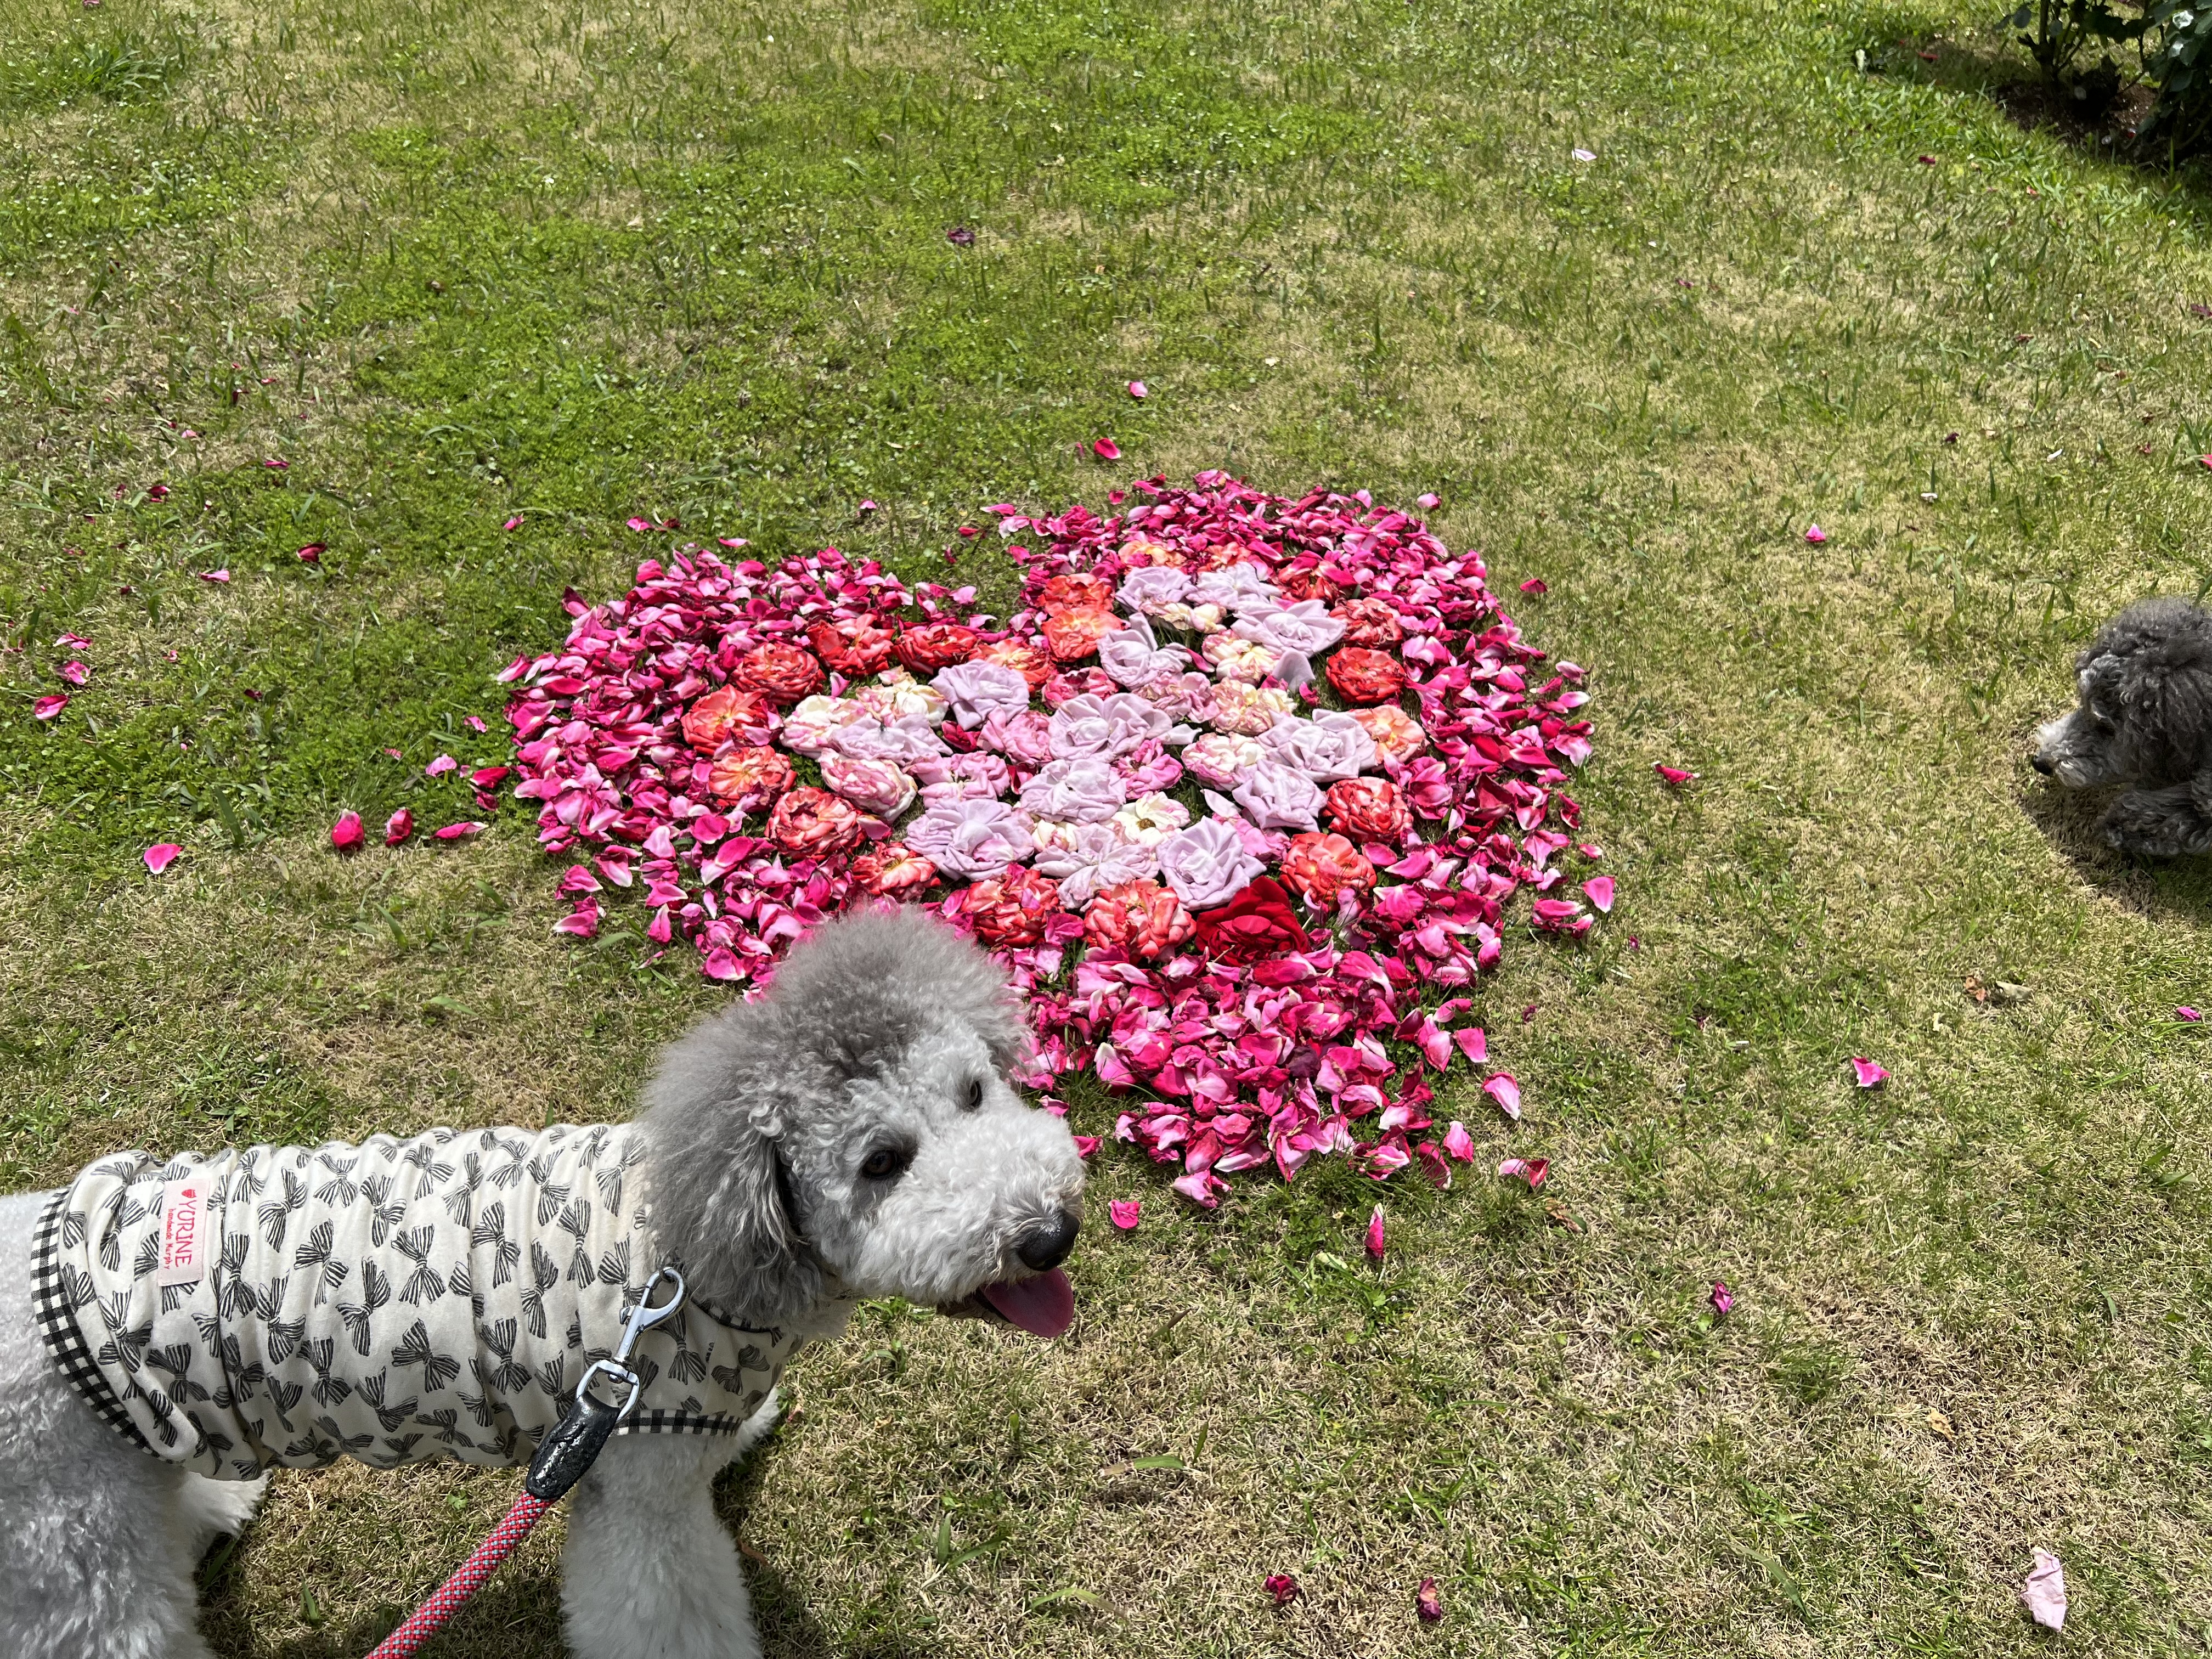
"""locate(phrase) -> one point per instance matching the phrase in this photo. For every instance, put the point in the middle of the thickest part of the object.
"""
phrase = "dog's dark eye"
(974, 1094)
(885, 1162)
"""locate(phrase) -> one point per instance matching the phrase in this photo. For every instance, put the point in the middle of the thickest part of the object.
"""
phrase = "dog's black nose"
(1046, 1244)
(2043, 766)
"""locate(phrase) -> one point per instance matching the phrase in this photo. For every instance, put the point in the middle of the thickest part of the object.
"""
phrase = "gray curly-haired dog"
(170, 1331)
(2144, 718)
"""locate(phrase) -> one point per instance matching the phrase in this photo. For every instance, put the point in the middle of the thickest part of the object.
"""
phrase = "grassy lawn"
(453, 261)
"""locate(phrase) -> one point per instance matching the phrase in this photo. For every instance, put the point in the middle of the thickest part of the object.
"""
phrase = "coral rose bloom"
(1071, 636)
(1321, 866)
(1010, 909)
(934, 646)
(1031, 663)
(723, 714)
(810, 823)
(891, 869)
(1370, 622)
(1396, 733)
(1363, 676)
(1369, 808)
(855, 648)
(1307, 584)
(781, 672)
(1077, 592)
(750, 777)
(1142, 917)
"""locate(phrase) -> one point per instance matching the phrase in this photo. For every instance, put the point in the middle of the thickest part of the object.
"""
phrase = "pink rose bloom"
(909, 738)
(1081, 791)
(1328, 748)
(807, 728)
(1276, 797)
(1395, 733)
(976, 690)
(1234, 657)
(1305, 628)
(1151, 820)
(970, 839)
(1207, 865)
(1153, 588)
(1248, 710)
(1132, 655)
(1090, 727)
(1240, 587)
(1148, 769)
(873, 785)
(981, 774)
(1025, 739)
(1086, 859)
(1180, 696)
(1221, 757)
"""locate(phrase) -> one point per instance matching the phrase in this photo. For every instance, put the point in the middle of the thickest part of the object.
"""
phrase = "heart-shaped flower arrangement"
(1239, 778)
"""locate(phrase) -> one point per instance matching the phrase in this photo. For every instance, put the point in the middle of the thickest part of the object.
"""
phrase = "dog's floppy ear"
(2151, 668)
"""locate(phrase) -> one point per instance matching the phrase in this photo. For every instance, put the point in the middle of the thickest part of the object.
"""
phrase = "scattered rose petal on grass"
(440, 767)
(583, 921)
(1504, 1088)
(2044, 1592)
(1377, 1241)
(457, 832)
(515, 523)
(1140, 392)
(215, 576)
(72, 642)
(160, 856)
(312, 553)
(399, 827)
(1428, 501)
(1675, 775)
(475, 723)
(1583, 155)
(1426, 1601)
(1816, 535)
(1869, 1075)
(1124, 1211)
(1722, 1297)
(347, 833)
(960, 236)
(1531, 1170)
(1106, 449)
(1598, 889)
(49, 706)
(2186, 1013)
(1537, 586)
(1459, 1143)
(1282, 1587)
(73, 673)
(1085, 1144)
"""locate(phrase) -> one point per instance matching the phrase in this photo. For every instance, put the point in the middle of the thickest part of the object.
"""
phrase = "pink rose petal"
(45, 708)
(73, 673)
(515, 523)
(2186, 1013)
(1599, 889)
(1428, 1603)
(312, 553)
(457, 832)
(215, 576)
(399, 827)
(1137, 390)
(1428, 501)
(1675, 774)
(1531, 1170)
(1085, 1145)
(1123, 1212)
(440, 767)
(1459, 1143)
(1282, 1587)
(2044, 1592)
(1869, 1075)
(475, 723)
(1376, 1241)
(1722, 1299)
(1504, 1088)
(160, 856)
(1472, 1042)
(1106, 449)
(1816, 535)
(1537, 586)
(347, 833)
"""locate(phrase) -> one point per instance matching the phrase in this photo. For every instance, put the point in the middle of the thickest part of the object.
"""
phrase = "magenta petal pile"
(1239, 778)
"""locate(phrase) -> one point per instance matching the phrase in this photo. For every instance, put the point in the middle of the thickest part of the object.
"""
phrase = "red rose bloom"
(1363, 676)
(751, 778)
(1370, 622)
(1079, 592)
(938, 645)
(1258, 922)
(722, 714)
(814, 823)
(1369, 810)
(782, 673)
(891, 869)
(1031, 663)
(1071, 636)
(1307, 582)
(1142, 917)
(855, 648)
(1010, 909)
(1321, 866)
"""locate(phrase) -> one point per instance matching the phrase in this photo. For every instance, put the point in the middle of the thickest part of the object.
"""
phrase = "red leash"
(562, 1457)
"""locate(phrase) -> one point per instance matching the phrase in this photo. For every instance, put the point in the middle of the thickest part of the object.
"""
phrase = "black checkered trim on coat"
(58, 1325)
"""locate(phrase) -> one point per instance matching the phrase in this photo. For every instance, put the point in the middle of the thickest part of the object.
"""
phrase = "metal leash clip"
(643, 1318)
(569, 1449)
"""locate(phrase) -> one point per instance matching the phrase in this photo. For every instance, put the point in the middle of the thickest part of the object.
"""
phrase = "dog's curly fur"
(2144, 718)
(885, 1033)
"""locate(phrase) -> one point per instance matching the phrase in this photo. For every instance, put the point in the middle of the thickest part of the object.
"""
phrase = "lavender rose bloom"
(980, 775)
(1149, 770)
(1180, 696)
(1153, 588)
(909, 738)
(1085, 858)
(1220, 758)
(976, 690)
(1276, 797)
(1025, 739)
(1086, 791)
(1328, 748)
(1239, 587)
(873, 785)
(1306, 627)
(1206, 864)
(1102, 727)
(970, 839)
(1133, 656)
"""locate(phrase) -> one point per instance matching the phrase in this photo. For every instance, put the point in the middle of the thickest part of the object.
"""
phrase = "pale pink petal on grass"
(50, 705)
(160, 856)
(1675, 775)
(1428, 1603)
(1869, 1075)
(347, 833)
(1123, 1212)
(474, 722)
(74, 674)
(1106, 449)
(458, 831)
(1428, 501)
(215, 576)
(440, 767)
(2186, 1013)
(1473, 1043)
(1505, 1089)
(1140, 392)
(1531, 1170)
(1537, 586)
(583, 921)
(1599, 890)
(1459, 1143)
(2045, 1593)
(515, 523)
(399, 827)
(1378, 1238)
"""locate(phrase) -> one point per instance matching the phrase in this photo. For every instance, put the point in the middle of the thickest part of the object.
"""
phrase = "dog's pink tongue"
(1044, 1306)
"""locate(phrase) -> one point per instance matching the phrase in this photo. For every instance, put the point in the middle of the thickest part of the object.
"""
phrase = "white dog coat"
(396, 1301)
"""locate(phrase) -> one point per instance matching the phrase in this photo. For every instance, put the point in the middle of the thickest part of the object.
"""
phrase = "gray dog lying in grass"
(170, 1332)
(2145, 718)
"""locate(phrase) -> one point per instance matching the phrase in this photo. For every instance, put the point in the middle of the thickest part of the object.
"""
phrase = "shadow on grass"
(2179, 889)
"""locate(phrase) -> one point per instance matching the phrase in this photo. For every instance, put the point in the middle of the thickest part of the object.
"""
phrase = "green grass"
(458, 260)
